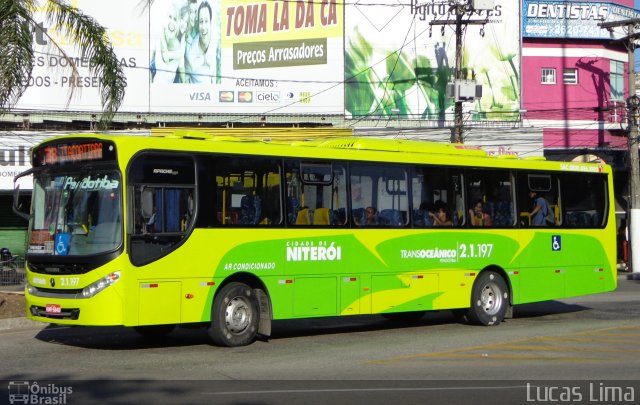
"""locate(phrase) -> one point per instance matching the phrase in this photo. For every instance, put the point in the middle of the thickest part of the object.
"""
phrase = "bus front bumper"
(103, 309)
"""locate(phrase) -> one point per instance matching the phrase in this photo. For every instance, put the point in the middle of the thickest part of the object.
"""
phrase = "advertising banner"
(305, 57)
(399, 58)
(562, 19)
(240, 56)
(50, 86)
(15, 148)
(202, 56)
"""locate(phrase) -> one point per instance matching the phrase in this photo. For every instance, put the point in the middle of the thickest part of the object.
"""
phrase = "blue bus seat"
(390, 217)
(359, 216)
(250, 210)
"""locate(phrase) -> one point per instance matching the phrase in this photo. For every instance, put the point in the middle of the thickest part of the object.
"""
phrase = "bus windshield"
(76, 214)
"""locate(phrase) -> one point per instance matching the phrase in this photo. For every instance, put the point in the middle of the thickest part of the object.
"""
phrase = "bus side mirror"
(17, 207)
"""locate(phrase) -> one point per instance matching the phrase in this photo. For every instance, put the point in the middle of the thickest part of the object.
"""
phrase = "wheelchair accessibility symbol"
(556, 243)
(61, 244)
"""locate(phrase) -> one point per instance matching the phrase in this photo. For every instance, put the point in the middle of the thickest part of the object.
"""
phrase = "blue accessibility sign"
(61, 243)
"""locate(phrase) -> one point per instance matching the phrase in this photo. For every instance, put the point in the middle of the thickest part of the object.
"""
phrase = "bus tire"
(235, 316)
(489, 299)
(154, 331)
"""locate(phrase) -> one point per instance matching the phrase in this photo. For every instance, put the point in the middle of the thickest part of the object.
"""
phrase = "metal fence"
(12, 271)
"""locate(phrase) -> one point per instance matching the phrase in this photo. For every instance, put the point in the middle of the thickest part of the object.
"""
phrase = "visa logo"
(200, 96)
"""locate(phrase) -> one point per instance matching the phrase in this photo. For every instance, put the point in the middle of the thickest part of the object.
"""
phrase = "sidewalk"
(20, 322)
(16, 288)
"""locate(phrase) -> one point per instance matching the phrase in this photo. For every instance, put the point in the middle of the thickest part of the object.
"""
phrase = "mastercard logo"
(245, 97)
(226, 97)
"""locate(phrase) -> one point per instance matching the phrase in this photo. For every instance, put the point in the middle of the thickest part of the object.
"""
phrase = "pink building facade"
(575, 77)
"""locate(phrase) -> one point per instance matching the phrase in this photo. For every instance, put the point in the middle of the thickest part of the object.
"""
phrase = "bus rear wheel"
(234, 316)
(489, 299)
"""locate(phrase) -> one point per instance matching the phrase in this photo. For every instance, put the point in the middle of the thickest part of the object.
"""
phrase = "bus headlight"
(31, 289)
(94, 288)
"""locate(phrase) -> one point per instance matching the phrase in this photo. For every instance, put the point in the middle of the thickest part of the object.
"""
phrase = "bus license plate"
(53, 309)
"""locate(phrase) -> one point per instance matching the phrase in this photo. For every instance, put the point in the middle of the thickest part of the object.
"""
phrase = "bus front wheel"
(234, 316)
(489, 299)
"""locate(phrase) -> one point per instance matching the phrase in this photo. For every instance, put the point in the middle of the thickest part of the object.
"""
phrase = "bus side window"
(247, 191)
(490, 196)
(316, 193)
(580, 209)
(163, 204)
(546, 188)
(432, 186)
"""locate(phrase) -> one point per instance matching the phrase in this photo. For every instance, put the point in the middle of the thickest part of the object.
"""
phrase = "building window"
(548, 76)
(617, 80)
(570, 76)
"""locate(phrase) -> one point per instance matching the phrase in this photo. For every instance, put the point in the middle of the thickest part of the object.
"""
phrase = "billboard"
(577, 19)
(307, 57)
(15, 151)
(50, 86)
(240, 56)
(398, 64)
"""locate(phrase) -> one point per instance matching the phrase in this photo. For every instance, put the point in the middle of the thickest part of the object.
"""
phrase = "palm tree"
(17, 26)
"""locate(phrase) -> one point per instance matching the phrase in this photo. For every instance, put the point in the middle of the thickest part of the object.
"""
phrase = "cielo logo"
(268, 96)
(26, 392)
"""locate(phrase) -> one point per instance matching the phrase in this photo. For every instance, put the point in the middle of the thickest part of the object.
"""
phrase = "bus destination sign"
(76, 152)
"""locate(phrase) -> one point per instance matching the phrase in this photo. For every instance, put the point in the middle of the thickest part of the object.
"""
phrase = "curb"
(19, 323)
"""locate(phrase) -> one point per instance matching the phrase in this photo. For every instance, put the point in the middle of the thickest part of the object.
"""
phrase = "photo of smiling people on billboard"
(187, 46)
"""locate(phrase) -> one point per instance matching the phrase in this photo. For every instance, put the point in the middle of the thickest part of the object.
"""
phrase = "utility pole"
(458, 121)
(633, 103)
(462, 89)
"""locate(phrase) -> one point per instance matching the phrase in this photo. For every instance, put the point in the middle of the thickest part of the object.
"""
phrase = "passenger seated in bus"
(368, 217)
(440, 216)
(477, 215)
(371, 215)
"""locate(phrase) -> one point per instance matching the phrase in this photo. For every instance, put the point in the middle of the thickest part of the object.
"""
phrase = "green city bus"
(231, 233)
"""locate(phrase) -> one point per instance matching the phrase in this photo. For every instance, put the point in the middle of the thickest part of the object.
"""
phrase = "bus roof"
(322, 139)
(319, 146)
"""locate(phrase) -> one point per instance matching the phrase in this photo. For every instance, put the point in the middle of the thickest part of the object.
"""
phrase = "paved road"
(589, 338)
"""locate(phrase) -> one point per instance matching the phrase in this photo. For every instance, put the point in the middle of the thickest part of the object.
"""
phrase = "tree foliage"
(17, 52)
